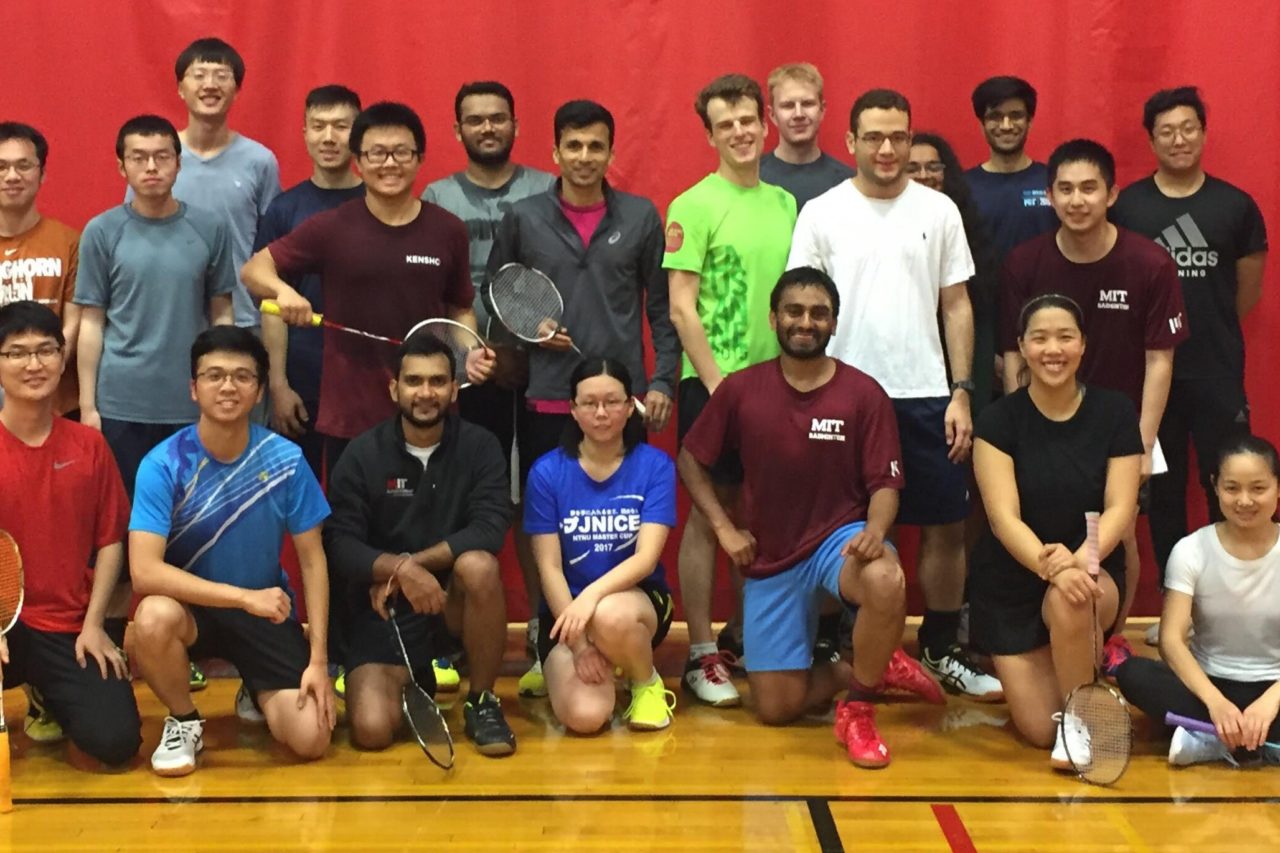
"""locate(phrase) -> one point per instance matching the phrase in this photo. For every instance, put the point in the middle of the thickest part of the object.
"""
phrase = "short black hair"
(575, 115)
(28, 316)
(878, 99)
(1168, 99)
(588, 367)
(147, 125)
(729, 88)
(230, 339)
(18, 130)
(805, 277)
(332, 95)
(387, 114)
(1083, 151)
(1049, 300)
(424, 342)
(994, 91)
(482, 87)
(210, 50)
(1255, 444)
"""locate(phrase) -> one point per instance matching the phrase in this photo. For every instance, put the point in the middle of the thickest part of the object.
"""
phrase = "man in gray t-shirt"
(796, 108)
(479, 195)
(153, 274)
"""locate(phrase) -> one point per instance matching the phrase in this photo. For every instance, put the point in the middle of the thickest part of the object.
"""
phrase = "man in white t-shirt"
(898, 253)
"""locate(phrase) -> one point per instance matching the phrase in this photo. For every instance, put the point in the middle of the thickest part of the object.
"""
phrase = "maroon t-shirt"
(377, 278)
(1131, 299)
(812, 459)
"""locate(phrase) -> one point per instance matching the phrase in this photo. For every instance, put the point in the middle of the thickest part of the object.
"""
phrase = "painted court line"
(825, 826)
(953, 828)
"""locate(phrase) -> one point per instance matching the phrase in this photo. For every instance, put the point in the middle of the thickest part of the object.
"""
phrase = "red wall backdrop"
(77, 69)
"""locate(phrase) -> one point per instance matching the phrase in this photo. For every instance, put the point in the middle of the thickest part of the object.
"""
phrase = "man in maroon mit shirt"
(1128, 289)
(386, 262)
(820, 493)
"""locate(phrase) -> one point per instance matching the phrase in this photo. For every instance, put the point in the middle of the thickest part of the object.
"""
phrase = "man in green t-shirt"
(727, 242)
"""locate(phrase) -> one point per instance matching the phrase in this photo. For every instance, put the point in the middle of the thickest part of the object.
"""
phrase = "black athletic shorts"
(542, 435)
(369, 638)
(691, 399)
(268, 656)
(659, 597)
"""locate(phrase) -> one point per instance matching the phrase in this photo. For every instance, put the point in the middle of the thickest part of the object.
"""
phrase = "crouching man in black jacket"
(420, 508)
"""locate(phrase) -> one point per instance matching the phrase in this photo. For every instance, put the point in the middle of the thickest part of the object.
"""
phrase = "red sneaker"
(856, 730)
(1114, 653)
(905, 673)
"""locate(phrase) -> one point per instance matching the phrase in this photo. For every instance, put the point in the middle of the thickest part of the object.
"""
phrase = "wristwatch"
(962, 385)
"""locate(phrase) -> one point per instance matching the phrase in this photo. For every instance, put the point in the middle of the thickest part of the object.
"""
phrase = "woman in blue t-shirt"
(599, 509)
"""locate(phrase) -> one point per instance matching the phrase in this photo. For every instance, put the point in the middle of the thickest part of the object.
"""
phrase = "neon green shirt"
(737, 239)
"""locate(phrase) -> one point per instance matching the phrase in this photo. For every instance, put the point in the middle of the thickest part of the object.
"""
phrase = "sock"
(475, 698)
(186, 718)
(645, 682)
(859, 692)
(829, 628)
(698, 650)
(938, 631)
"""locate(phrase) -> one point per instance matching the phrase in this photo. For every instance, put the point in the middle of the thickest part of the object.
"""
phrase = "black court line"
(825, 826)
(642, 798)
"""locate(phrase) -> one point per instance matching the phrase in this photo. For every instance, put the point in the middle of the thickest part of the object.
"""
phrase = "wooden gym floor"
(716, 780)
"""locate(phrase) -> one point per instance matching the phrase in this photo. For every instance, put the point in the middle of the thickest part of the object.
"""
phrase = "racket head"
(427, 724)
(526, 302)
(458, 338)
(1100, 752)
(10, 581)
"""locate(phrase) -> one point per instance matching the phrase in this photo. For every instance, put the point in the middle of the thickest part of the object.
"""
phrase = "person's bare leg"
(784, 696)
(476, 608)
(163, 629)
(1071, 633)
(373, 704)
(622, 629)
(300, 729)
(696, 565)
(1032, 691)
(1132, 574)
(879, 589)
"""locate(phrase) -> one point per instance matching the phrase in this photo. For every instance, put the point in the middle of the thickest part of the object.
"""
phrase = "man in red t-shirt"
(822, 471)
(1127, 287)
(386, 262)
(62, 500)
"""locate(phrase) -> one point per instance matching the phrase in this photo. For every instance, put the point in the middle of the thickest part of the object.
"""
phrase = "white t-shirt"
(889, 258)
(422, 454)
(1235, 606)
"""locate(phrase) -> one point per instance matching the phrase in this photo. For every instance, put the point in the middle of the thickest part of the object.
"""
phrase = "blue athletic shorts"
(780, 612)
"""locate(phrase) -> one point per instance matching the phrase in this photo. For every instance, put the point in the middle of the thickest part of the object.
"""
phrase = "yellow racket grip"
(270, 307)
(6, 779)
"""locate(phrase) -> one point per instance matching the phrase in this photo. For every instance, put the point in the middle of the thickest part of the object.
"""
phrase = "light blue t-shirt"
(226, 521)
(236, 184)
(599, 523)
(154, 279)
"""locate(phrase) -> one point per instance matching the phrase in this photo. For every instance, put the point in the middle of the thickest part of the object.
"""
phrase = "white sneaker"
(245, 709)
(1187, 747)
(1069, 729)
(1153, 635)
(180, 743)
(958, 674)
(708, 679)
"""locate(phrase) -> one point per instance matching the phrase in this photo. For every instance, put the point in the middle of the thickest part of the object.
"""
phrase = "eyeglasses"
(22, 167)
(875, 139)
(141, 158)
(215, 376)
(997, 117)
(935, 167)
(1188, 129)
(477, 122)
(612, 406)
(378, 156)
(44, 354)
(221, 76)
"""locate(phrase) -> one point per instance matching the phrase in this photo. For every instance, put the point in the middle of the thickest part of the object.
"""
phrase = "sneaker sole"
(648, 727)
(448, 688)
(533, 694)
(1062, 765)
(730, 702)
(869, 764)
(172, 772)
(495, 750)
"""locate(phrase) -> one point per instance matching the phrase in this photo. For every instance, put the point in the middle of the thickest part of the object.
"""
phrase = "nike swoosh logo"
(10, 252)
(58, 466)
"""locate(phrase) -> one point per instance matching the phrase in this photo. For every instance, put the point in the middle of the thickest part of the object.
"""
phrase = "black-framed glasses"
(141, 158)
(874, 138)
(1188, 130)
(45, 354)
(216, 376)
(378, 156)
(610, 405)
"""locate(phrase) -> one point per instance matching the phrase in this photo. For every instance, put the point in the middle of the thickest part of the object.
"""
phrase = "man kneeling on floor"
(211, 508)
(819, 446)
(421, 504)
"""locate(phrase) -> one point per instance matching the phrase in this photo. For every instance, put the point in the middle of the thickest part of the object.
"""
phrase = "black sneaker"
(729, 642)
(487, 727)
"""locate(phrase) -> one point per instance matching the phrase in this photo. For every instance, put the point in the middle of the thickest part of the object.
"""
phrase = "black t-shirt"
(1060, 466)
(1205, 233)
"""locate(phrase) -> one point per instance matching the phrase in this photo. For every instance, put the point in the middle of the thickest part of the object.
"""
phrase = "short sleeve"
(688, 235)
(1186, 562)
(1011, 297)
(112, 522)
(73, 265)
(153, 497)
(1166, 325)
(307, 504)
(806, 248)
(881, 451)
(540, 512)
(1252, 234)
(92, 286)
(715, 429)
(996, 424)
(271, 226)
(660, 488)
(269, 185)
(957, 260)
(1126, 437)
(461, 292)
(303, 249)
(222, 275)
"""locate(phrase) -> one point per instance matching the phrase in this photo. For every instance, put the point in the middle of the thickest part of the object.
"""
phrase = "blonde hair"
(801, 72)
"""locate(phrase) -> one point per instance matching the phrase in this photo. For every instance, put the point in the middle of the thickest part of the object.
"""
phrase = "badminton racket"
(420, 710)
(10, 607)
(460, 339)
(1190, 724)
(528, 303)
(1100, 746)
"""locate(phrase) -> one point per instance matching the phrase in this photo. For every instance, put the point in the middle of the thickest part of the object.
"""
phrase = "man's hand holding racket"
(866, 545)
(738, 543)
(316, 684)
(94, 643)
(420, 588)
(480, 364)
(292, 307)
(559, 341)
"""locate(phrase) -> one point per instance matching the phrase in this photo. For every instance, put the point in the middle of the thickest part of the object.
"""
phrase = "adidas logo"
(1184, 241)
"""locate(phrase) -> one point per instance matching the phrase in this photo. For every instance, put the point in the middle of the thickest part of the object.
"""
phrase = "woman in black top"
(1045, 455)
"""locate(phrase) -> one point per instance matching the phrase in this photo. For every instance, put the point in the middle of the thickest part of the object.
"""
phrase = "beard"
(1004, 147)
(406, 412)
(817, 350)
(497, 157)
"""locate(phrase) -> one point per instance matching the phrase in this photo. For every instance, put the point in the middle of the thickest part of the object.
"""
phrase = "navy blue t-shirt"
(1014, 205)
(286, 212)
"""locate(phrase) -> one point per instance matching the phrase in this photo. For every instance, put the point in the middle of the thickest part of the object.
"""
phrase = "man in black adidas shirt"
(1216, 236)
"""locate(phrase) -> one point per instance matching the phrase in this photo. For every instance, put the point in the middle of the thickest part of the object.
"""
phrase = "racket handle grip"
(6, 775)
(1172, 719)
(270, 307)
(639, 406)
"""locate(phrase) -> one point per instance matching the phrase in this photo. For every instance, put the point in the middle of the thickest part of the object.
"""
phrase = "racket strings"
(527, 303)
(1102, 740)
(10, 581)
(458, 338)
